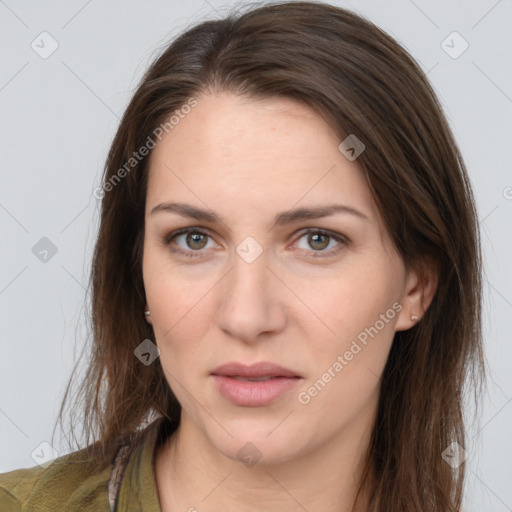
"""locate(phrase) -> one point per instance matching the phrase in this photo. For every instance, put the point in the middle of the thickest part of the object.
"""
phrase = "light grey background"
(58, 117)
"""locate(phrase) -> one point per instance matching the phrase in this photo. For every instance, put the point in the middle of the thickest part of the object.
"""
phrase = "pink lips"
(247, 393)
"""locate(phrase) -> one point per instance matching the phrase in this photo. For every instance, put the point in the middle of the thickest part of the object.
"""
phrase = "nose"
(251, 300)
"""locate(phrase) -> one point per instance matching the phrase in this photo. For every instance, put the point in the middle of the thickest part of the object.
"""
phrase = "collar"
(138, 489)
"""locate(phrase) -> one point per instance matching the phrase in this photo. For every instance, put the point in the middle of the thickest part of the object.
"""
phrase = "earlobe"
(147, 315)
(419, 293)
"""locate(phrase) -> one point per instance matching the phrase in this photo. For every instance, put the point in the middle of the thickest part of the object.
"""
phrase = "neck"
(191, 474)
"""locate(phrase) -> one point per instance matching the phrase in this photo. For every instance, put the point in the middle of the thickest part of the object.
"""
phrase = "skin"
(247, 160)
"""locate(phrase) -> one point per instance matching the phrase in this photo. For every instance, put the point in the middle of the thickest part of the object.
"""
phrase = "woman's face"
(259, 284)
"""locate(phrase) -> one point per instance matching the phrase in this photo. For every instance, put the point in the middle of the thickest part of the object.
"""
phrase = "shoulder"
(70, 482)
(76, 482)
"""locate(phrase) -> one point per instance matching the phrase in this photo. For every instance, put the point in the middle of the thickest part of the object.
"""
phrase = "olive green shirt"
(70, 485)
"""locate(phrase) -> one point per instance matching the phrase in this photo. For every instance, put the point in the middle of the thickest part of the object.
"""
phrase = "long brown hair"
(361, 81)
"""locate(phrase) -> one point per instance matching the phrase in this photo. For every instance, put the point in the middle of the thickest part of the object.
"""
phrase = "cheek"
(182, 319)
(345, 374)
(360, 309)
(356, 299)
(176, 296)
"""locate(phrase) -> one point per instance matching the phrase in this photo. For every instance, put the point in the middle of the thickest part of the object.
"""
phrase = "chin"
(252, 445)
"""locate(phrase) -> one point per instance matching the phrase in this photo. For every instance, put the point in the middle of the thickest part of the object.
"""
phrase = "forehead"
(272, 151)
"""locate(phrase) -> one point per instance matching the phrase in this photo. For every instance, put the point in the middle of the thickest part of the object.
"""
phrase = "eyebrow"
(281, 219)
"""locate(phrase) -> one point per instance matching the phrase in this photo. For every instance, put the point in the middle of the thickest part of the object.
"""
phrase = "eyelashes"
(342, 241)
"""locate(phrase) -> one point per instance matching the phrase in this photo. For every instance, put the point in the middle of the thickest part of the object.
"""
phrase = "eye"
(197, 239)
(193, 237)
(319, 239)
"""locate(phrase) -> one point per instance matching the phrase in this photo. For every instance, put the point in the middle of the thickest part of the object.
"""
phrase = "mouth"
(254, 386)
(257, 371)
(255, 379)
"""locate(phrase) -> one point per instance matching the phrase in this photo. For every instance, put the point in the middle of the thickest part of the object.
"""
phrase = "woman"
(286, 283)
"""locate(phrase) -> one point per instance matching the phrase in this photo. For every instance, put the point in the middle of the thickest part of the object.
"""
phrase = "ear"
(420, 288)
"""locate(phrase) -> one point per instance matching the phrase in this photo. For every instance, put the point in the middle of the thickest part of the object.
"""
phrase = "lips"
(255, 371)
(254, 386)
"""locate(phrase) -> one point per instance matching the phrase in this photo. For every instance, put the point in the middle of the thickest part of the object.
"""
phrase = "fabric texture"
(70, 484)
